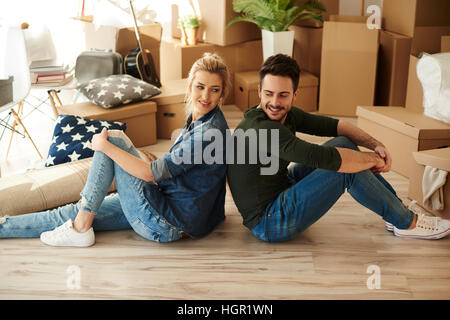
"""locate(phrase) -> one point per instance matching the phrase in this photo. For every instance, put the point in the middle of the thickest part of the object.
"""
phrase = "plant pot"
(191, 35)
(277, 42)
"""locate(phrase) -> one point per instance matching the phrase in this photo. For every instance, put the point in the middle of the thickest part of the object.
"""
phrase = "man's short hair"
(280, 65)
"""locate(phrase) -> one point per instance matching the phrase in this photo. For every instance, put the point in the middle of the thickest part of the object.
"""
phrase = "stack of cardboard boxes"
(348, 66)
(139, 117)
(414, 140)
(239, 45)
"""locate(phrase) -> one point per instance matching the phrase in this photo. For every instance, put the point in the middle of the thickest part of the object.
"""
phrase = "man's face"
(277, 96)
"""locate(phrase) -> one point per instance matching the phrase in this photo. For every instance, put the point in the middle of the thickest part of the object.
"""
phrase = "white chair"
(14, 62)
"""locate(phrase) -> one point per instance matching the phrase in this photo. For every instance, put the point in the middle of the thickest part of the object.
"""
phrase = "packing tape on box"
(433, 72)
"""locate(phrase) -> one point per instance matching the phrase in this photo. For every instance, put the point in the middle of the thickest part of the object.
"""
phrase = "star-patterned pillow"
(72, 138)
(117, 90)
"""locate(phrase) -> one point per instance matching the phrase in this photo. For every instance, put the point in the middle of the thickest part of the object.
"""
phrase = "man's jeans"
(315, 191)
(128, 208)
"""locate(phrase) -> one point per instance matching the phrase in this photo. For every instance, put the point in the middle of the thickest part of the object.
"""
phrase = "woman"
(173, 197)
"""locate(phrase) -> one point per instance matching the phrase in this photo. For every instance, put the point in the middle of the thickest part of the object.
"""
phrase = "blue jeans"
(315, 191)
(128, 208)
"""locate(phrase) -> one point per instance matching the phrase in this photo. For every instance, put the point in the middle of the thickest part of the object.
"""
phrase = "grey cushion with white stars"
(72, 138)
(117, 90)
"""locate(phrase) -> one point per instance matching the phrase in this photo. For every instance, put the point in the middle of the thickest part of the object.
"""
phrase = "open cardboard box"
(246, 91)
(403, 132)
(349, 65)
(177, 59)
(392, 70)
(425, 21)
(436, 158)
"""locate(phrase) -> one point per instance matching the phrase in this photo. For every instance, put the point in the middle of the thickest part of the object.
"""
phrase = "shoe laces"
(414, 207)
(423, 221)
(427, 223)
(59, 230)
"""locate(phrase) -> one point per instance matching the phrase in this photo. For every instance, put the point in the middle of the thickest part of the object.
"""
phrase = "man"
(278, 207)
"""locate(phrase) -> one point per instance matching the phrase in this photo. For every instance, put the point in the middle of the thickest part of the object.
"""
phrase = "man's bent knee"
(342, 142)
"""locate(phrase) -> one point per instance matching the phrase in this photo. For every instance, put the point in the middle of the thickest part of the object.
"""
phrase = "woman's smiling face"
(206, 91)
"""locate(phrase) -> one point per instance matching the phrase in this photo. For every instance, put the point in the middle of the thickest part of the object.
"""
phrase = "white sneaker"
(389, 227)
(66, 236)
(426, 228)
(412, 207)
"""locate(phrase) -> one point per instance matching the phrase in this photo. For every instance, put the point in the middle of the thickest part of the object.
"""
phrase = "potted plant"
(189, 27)
(274, 17)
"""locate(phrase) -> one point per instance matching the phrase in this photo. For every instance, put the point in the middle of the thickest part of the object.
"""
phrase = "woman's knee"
(119, 139)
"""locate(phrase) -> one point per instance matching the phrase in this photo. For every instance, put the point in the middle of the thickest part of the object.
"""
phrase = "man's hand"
(99, 140)
(386, 156)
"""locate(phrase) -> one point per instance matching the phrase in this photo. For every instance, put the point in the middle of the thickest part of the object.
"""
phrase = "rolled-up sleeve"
(160, 170)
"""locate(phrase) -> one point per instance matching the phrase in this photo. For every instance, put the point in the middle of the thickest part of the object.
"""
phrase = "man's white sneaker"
(426, 228)
(389, 227)
(66, 236)
(413, 207)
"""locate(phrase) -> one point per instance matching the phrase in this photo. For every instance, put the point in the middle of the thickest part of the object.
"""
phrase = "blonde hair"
(213, 63)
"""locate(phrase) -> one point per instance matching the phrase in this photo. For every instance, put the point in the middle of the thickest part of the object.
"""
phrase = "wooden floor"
(333, 259)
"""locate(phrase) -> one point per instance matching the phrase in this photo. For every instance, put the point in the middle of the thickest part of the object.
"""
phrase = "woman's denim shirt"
(190, 180)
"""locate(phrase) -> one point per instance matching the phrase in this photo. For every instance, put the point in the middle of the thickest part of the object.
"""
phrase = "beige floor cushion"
(47, 188)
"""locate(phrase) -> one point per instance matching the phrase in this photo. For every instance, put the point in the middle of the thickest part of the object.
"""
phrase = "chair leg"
(14, 125)
(16, 116)
(52, 101)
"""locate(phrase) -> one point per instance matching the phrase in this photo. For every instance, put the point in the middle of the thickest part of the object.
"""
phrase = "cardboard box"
(428, 39)
(392, 71)
(414, 91)
(423, 20)
(177, 59)
(246, 91)
(403, 132)
(436, 158)
(349, 65)
(332, 8)
(139, 117)
(215, 15)
(171, 113)
(403, 16)
(150, 39)
(308, 48)
(445, 44)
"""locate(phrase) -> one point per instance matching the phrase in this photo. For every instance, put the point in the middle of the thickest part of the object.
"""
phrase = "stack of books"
(48, 74)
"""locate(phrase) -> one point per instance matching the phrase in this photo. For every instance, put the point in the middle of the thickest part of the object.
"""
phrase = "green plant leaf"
(282, 4)
(243, 18)
(276, 15)
(313, 4)
(256, 8)
(312, 15)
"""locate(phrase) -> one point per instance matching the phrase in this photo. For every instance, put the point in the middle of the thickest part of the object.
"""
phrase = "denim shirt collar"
(200, 120)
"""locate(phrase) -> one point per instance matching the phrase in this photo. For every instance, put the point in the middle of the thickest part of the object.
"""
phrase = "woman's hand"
(100, 140)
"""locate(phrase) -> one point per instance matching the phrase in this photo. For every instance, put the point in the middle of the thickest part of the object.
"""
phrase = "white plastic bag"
(433, 72)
